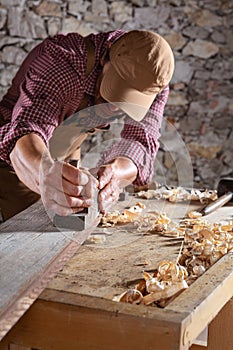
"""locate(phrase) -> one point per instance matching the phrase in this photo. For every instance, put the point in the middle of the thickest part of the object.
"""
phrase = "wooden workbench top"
(101, 270)
(120, 254)
(88, 276)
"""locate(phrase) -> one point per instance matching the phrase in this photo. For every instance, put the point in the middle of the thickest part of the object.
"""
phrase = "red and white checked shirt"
(49, 87)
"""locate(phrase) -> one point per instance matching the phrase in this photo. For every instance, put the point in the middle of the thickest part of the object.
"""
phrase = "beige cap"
(141, 65)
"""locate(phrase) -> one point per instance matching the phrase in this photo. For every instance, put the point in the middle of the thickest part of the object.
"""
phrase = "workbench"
(58, 292)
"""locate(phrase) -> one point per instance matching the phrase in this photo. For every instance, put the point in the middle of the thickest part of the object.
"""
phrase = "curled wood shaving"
(168, 280)
(132, 296)
(194, 214)
(129, 215)
(169, 291)
(204, 244)
(179, 194)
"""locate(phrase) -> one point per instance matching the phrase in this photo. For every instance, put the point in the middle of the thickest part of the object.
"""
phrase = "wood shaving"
(194, 214)
(204, 244)
(179, 194)
(96, 239)
(128, 216)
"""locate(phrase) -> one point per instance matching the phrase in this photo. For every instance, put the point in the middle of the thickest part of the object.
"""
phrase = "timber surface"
(120, 255)
(99, 271)
(77, 304)
(32, 250)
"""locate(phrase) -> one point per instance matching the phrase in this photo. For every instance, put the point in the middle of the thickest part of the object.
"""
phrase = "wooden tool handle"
(217, 204)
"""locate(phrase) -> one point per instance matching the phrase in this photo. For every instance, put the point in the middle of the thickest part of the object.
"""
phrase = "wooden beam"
(32, 252)
(52, 325)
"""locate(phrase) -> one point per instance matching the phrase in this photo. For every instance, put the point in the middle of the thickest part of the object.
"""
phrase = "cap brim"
(116, 90)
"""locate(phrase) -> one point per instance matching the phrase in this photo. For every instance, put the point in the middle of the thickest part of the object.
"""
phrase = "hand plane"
(78, 221)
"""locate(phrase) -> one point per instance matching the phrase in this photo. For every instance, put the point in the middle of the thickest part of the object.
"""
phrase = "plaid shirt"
(49, 87)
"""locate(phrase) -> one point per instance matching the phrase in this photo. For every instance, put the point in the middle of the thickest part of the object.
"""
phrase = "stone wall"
(198, 128)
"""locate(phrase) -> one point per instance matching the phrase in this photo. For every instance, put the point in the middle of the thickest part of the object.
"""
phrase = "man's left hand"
(113, 177)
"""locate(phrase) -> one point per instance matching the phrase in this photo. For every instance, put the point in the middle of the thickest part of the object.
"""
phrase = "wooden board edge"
(98, 303)
(57, 325)
(11, 314)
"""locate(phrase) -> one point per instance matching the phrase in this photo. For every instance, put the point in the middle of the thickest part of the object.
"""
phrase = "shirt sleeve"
(36, 110)
(46, 86)
(139, 140)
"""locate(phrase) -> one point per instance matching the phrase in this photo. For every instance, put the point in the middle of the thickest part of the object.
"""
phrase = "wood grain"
(32, 250)
(57, 325)
(76, 310)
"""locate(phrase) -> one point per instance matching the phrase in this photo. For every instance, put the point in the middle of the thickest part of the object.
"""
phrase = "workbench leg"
(220, 330)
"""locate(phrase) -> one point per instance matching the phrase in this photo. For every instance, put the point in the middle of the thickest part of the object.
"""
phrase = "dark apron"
(14, 195)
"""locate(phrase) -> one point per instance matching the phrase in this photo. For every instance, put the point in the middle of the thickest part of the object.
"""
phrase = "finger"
(63, 210)
(71, 189)
(111, 189)
(74, 175)
(91, 188)
(53, 184)
(104, 175)
(68, 201)
(107, 203)
(59, 209)
(107, 197)
(87, 190)
(63, 175)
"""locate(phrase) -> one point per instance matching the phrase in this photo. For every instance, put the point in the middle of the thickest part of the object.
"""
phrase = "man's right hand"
(65, 189)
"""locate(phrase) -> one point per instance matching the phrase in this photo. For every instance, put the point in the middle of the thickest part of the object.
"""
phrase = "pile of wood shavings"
(151, 222)
(167, 281)
(127, 216)
(204, 244)
(179, 194)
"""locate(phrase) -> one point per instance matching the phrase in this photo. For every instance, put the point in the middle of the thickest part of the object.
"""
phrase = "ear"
(105, 56)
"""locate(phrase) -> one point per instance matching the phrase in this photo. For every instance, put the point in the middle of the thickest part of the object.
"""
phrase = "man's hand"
(65, 189)
(109, 187)
(113, 177)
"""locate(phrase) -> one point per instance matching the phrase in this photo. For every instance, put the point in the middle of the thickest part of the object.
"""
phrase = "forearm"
(26, 159)
(139, 141)
(60, 185)
(141, 156)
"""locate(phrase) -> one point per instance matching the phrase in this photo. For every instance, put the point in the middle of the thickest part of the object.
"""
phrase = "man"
(130, 73)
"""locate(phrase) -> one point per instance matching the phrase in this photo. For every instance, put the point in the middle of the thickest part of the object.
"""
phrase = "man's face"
(104, 108)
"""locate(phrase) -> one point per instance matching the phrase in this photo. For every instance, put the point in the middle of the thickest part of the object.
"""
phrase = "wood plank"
(108, 271)
(83, 289)
(32, 250)
(33, 326)
(56, 325)
(109, 268)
